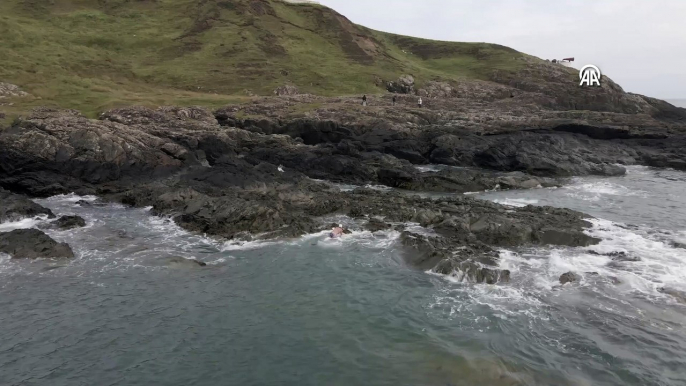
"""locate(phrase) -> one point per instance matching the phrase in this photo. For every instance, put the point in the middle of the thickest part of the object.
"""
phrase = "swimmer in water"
(337, 232)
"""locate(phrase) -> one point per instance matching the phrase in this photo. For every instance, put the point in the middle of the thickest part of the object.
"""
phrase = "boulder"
(69, 222)
(14, 207)
(404, 85)
(32, 244)
(422, 252)
(375, 225)
(569, 277)
(473, 271)
(566, 237)
(435, 89)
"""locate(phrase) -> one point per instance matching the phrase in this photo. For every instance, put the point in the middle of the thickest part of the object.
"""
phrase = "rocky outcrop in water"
(569, 277)
(227, 175)
(69, 222)
(14, 207)
(32, 244)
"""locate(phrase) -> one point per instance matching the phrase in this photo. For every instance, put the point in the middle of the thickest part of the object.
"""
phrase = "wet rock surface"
(14, 207)
(69, 222)
(270, 176)
(32, 244)
(569, 277)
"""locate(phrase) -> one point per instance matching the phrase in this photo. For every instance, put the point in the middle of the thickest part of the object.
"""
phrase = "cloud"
(641, 44)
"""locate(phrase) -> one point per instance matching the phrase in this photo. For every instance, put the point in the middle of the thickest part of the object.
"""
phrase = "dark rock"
(623, 256)
(376, 225)
(228, 176)
(32, 244)
(14, 207)
(469, 270)
(181, 262)
(617, 256)
(404, 85)
(69, 222)
(474, 262)
(569, 277)
(423, 252)
(83, 203)
(566, 237)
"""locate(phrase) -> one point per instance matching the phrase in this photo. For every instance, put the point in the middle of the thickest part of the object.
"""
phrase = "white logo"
(589, 75)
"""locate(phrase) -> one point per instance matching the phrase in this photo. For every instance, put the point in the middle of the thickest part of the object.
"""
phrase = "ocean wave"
(652, 263)
(516, 202)
(598, 190)
(661, 264)
(25, 223)
(71, 197)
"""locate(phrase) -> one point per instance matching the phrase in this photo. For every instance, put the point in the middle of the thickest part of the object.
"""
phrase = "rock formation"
(69, 222)
(32, 244)
(271, 175)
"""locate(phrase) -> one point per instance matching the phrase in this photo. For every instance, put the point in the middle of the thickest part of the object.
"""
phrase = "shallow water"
(349, 312)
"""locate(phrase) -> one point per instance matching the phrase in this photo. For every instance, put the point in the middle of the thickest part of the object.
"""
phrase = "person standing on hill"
(364, 100)
(393, 100)
(419, 102)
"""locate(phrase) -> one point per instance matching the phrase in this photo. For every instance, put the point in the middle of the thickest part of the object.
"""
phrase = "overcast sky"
(641, 44)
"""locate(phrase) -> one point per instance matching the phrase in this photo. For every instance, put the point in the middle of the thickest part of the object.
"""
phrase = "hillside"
(96, 54)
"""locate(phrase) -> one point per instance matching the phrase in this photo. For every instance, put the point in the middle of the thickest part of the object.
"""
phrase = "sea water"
(313, 311)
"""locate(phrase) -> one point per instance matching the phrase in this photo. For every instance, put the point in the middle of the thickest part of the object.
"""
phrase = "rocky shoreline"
(264, 170)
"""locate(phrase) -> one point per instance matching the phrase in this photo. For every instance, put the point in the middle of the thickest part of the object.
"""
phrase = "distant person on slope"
(364, 100)
(419, 102)
(393, 100)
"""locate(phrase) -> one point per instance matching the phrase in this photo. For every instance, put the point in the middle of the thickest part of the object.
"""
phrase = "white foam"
(535, 275)
(71, 197)
(25, 223)
(638, 170)
(516, 202)
(464, 300)
(382, 188)
(238, 245)
(428, 168)
(599, 190)
(420, 230)
(661, 264)
(220, 260)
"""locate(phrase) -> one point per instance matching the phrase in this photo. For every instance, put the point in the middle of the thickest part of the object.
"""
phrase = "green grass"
(93, 55)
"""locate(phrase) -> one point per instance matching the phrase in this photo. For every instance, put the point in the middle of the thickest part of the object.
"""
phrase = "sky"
(640, 44)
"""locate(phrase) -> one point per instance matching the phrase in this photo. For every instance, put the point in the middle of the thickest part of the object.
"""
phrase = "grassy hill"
(96, 54)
